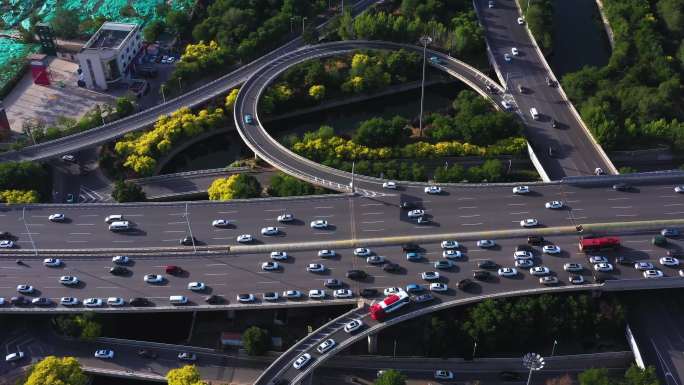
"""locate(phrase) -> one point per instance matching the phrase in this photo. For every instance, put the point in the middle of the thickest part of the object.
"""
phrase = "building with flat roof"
(106, 58)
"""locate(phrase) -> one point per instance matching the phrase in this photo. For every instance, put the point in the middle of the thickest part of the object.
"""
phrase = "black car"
(145, 353)
(391, 267)
(621, 187)
(188, 241)
(139, 301)
(367, 293)
(535, 239)
(332, 283)
(119, 270)
(554, 123)
(19, 301)
(621, 260)
(410, 247)
(407, 205)
(214, 299)
(481, 275)
(553, 152)
(524, 248)
(465, 284)
(356, 274)
(5, 235)
(427, 297)
(487, 264)
(42, 301)
(509, 376)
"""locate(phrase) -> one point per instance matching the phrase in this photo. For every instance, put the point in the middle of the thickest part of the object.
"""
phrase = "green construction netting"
(12, 55)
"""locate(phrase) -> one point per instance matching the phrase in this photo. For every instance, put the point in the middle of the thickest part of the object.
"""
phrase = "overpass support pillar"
(372, 343)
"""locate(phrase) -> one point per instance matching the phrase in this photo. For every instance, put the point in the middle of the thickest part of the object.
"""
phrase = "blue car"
(413, 256)
(669, 232)
(249, 119)
(414, 288)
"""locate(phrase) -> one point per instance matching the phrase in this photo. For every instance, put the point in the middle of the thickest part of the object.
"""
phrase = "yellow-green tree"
(238, 186)
(317, 91)
(56, 371)
(230, 99)
(187, 375)
(19, 196)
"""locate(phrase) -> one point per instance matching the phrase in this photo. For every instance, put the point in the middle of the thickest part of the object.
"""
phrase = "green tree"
(25, 176)
(186, 375)
(65, 23)
(178, 22)
(153, 29)
(238, 186)
(594, 376)
(317, 92)
(283, 185)
(680, 54)
(636, 376)
(491, 170)
(391, 377)
(127, 11)
(82, 326)
(256, 341)
(52, 370)
(19, 196)
(378, 132)
(124, 107)
(672, 13)
(128, 192)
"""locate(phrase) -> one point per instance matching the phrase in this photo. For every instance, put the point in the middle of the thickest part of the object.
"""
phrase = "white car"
(279, 255)
(319, 224)
(603, 266)
(353, 326)
(551, 249)
(522, 254)
(121, 260)
(598, 259)
(244, 238)
(529, 222)
(104, 354)
(68, 301)
(548, 280)
(315, 268)
(326, 253)
(507, 272)
(391, 290)
(576, 279)
(486, 243)
(669, 261)
(506, 105)
(375, 259)
(56, 218)
(25, 289)
(316, 294)
(452, 254)
(390, 185)
(643, 266)
(416, 213)
(92, 302)
(302, 361)
(507, 57)
(270, 230)
(197, 286)
(326, 346)
(430, 275)
(292, 294)
(270, 266)
(521, 190)
(450, 245)
(52, 262)
(521, 21)
(14, 356)
(246, 298)
(220, 223)
(115, 301)
(573, 267)
(444, 375)
(514, 51)
(433, 190)
(68, 280)
(524, 263)
(554, 205)
(362, 252)
(679, 189)
(343, 293)
(153, 278)
(540, 270)
(6, 244)
(270, 296)
(653, 274)
(438, 287)
(284, 218)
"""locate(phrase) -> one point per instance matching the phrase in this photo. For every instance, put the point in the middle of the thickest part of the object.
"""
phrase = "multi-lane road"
(578, 152)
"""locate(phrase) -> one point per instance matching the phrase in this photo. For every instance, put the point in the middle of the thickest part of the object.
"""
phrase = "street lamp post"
(291, 24)
(303, 20)
(474, 349)
(534, 362)
(553, 349)
(425, 40)
(162, 92)
(180, 86)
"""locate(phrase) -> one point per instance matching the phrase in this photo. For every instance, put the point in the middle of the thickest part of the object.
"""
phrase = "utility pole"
(425, 40)
(351, 184)
(162, 92)
(534, 362)
(553, 349)
(303, 25)
(291, 24)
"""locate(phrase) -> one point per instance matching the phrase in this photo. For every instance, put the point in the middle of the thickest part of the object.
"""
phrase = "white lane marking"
(464, 199)
(372, 213)
(221, 238)
(215, 273)
(646, 250)
(124, 241)
(570, 218)
(625, 215)
(371, 230)
(666, 196)
(467, 207)
(216, 264)
(368, 222)
(674, 204)
(228, 212)
(621, 207)
(471, 224)
(675, 213)
(80, 233)
(323, 207)
(567, 192)
(176, 214)
(636, 241)
(618, 199)
(35, 224)
(134, 215)
(169, 240)
(216, 284)
(519, 212)
(517, 204)
(577, 209)
(85, 224)
(105, 287)
(469, 216)
(572, 201)
(28, 234)
(274, 210)
(325, 216)
(266, 282)
(371, 204)
(177, 223)
(175, 231)
(324, 233)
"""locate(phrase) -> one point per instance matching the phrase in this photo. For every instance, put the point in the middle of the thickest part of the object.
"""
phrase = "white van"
(534, 113)
(119, 226)
(178, 300)
(114, 218)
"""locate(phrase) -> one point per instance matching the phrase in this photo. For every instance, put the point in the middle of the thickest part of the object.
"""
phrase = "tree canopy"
(283, 185)
(52, 370)
(186, 375)
(238, 186)
(391, 377)
(256, 341)
(128, 192)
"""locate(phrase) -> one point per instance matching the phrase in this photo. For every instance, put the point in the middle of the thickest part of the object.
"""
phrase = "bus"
(391, 303)
(601, 243)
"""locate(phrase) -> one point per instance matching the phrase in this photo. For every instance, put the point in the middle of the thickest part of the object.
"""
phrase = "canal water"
(222, 149)
(579, 38)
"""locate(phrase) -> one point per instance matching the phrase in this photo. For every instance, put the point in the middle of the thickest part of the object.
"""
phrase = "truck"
(391, 303)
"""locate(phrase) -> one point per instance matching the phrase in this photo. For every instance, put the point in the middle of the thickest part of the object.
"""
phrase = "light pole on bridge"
(425, 40)
(534, 362)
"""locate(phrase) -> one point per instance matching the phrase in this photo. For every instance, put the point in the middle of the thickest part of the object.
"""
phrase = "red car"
(173, 270)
